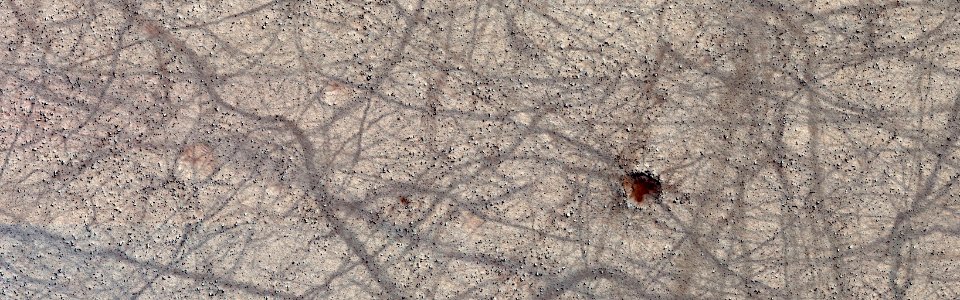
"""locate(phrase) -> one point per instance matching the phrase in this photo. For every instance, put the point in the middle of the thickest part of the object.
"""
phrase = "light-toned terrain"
(395, 149)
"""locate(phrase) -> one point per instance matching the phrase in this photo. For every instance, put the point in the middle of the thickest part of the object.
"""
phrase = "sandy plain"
(474, 149)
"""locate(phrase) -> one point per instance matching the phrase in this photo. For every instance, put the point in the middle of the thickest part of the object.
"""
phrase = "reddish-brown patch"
(199, 157)
(153, 29)
(198, 153)
(404, 200)
(641, 184)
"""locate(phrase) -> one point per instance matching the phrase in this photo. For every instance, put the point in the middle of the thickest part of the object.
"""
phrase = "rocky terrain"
(392, 149)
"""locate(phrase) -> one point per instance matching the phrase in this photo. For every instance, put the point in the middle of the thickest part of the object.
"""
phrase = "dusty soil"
(477, 149)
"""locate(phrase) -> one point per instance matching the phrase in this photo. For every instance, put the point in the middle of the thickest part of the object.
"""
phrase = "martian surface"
(438, 149)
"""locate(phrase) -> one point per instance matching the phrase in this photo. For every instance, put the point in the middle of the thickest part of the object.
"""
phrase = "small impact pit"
(640, 185)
